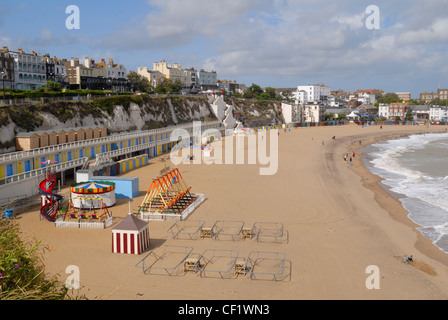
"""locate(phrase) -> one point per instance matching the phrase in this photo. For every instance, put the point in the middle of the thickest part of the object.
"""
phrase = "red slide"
(50, 206)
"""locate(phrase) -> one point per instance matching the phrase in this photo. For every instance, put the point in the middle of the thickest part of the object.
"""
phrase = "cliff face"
(258, 112)
(118, 114)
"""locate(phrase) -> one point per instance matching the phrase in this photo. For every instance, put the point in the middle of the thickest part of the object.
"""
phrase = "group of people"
(346, 157)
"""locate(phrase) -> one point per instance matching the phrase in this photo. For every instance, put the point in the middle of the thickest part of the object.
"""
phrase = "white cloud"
(295, 37)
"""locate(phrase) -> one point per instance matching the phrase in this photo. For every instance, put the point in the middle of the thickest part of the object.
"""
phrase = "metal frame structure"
(226, 229)
(165, 260)
(269, 232)
(189, 230)
(217, 263)
(263, 265)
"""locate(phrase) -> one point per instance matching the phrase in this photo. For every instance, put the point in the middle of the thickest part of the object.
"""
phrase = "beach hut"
(27, 141)
(53, 138)
(96, 132)
(44, 139)
(103, 131)
(71, 136)
(62, 136)
(89, 133)
(80, 134)
(130, 236)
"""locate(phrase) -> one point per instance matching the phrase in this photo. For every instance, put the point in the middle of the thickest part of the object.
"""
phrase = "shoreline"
(372, 182)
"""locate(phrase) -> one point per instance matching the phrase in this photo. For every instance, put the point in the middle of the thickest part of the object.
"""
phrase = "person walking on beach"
(350, 160)
(353, 154)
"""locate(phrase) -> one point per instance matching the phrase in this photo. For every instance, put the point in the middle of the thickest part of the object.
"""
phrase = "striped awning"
(92, 188)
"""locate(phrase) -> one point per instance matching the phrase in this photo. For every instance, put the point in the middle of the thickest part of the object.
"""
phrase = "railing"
(36, 173)
(115, 153)
(20, 155)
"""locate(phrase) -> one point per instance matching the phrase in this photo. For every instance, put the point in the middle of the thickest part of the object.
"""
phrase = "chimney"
(6, 49)
(111, 61)
(72, 62)
(103, 60)
(87, 62)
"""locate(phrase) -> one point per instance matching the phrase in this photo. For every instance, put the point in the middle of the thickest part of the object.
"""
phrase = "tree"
(138, 82)
(329, 116)
(390, 97)
(53, 86)
(287, 94)
(169, 86)
(342, 116)
(272, 94)
(255, 89)
(409, 116)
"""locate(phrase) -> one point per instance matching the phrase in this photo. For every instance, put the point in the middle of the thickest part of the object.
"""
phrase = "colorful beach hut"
(130, 236)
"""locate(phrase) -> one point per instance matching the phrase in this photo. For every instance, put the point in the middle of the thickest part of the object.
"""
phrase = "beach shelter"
(130, 236)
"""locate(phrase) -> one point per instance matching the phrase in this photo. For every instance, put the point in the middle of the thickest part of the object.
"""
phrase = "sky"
(275, 43)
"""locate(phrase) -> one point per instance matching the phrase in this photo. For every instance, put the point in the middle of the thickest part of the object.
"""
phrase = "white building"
(313, 93)
(313, 113)
(383, 111)
(292, 112)
(438, 113)
(366, 98)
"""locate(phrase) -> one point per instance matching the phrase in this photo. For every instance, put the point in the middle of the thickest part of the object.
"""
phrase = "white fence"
(78, 224)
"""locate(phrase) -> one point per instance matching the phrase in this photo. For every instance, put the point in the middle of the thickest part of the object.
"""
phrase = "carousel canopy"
(92, 188)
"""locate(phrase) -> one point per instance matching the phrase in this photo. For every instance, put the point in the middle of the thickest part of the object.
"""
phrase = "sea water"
(415, 170)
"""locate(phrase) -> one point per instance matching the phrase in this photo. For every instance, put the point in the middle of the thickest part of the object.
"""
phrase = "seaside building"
(441, 94)
(86, 75)
(154, 77)
(364, 97)
(292, 112)
(207, 79)
(420, 112)
(438, 113)
(393, 110)
(405, 96)
(116, 75)
(313, 113)
(55, 70)
(6, 69)
(228, 85)
(317, 93)
(29, 69)
(175, 72)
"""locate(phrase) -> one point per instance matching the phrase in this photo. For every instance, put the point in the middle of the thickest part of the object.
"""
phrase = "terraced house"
(6, 69)
(30, 70)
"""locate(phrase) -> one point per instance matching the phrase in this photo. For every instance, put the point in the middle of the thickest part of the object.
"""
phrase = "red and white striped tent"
(130, 236)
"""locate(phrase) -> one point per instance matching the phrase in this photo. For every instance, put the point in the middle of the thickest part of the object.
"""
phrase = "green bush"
(22, 274)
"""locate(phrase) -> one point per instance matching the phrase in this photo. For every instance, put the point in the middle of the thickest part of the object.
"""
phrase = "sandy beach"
(338, 220)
